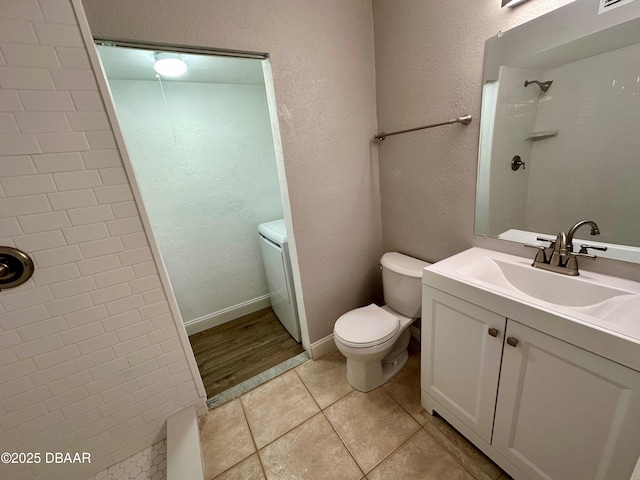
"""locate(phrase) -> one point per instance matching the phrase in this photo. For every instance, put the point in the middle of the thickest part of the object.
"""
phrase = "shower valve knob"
(516, 163)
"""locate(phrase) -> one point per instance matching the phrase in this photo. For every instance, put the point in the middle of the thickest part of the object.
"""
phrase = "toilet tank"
(402, 283)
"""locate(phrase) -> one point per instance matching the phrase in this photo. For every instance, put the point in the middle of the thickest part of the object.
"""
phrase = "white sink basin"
(554, 288)
(590, 297)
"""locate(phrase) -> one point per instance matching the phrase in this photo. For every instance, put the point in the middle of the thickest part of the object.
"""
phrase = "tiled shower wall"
(90, 358)
(515, 117)
(594, 104)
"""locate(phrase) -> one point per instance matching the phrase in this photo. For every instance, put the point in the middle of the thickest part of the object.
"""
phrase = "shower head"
(544, 86)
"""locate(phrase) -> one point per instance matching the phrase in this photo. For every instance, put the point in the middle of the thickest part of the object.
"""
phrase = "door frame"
(105, 92)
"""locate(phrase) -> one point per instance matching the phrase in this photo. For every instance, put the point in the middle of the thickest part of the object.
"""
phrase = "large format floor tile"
(371, 425)
(421, 458)
(248, 469)
(310, 451)
(326, 378)
(464, 451)
(309, 424)
(277, 406)
(225, 438)
(405, 389)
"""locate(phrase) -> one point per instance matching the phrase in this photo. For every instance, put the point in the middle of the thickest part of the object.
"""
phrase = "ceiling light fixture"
(169, 65)
(512, 3)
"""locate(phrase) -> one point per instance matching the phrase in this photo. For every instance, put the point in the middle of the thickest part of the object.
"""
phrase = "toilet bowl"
(375, 339)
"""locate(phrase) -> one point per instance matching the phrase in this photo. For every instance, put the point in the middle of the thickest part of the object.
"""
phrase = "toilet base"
(365, 376)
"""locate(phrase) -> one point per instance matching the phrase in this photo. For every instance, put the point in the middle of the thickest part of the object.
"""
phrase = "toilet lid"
(366, 326)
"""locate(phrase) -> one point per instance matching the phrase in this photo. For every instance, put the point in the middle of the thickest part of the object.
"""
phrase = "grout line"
(329, 422)
(410, 436)
(255, 445)
(307, 389)
(422, 427)
(292, 428)
(283, 434)
(338, 399)
(344, 444)
(395, 450)
(334, 401)
(382, 389)
(242, 460)
(400, 405)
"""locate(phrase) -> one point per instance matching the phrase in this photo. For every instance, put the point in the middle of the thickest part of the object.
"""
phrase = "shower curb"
(184, 452)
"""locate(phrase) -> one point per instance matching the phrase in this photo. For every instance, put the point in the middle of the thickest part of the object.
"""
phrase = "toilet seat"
(366, 327)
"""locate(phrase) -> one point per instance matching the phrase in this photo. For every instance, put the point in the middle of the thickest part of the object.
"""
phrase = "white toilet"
(375, 339)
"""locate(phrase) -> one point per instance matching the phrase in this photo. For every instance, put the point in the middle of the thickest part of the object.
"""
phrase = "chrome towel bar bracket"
(464, 120)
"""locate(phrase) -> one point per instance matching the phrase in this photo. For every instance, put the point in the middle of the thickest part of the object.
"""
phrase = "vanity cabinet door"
(563, 412)
(461, 351)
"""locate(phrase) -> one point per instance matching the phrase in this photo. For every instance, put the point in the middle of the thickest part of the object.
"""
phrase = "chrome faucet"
(563, 259)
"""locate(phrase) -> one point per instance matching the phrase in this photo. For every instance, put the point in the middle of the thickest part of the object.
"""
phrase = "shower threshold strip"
(234, 392)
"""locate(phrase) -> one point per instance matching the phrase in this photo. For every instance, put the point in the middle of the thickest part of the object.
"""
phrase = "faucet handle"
(583, 248)
(581, 254)
(541, 256)
(544, 239)
(552, 241)
(541, 248)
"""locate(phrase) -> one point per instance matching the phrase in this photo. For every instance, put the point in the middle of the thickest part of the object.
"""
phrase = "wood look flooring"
(231, 353)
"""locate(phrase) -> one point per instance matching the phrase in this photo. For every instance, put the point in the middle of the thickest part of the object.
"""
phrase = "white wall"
(515, 117)
(595, 105)
(90, 357)
(207, 171)
(322, 59)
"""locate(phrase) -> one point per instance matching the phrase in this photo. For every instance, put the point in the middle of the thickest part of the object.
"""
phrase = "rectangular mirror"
(560, 129)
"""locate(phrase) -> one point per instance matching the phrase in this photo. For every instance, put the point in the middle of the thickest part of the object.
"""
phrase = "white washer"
(277, 265)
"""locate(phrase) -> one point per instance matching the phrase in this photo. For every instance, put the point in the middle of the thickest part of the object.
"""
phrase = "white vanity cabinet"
(461, 354)
(563, 412)
(540, 407)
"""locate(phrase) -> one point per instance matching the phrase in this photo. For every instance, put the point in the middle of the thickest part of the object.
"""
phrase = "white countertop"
(610, 328)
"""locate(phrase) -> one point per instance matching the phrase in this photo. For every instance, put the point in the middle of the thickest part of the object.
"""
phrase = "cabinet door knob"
(493, 332)
(512, 341)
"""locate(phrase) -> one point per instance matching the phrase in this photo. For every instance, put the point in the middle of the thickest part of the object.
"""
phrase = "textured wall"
(323, 71)
(90, 358)
(429, 60)
(207, 170)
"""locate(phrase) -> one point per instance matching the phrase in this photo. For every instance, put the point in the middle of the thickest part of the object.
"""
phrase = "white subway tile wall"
(90, 358)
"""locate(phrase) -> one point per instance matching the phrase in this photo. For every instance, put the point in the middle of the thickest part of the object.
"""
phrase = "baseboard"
(415, 332)
(323, 346)
(223, 316)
